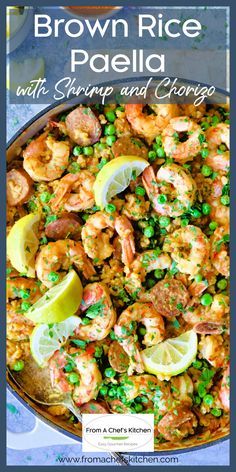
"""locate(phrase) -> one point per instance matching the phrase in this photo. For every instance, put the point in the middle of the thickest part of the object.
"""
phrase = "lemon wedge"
(46, 339)
(115, 176)
(59, 302)
(22, 244)
(171, 357)
(21, 73)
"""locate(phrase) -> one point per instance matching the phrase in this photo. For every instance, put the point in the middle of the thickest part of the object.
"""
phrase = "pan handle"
(41, 435)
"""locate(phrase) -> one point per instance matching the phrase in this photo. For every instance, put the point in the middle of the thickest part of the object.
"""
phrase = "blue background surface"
(19, 419)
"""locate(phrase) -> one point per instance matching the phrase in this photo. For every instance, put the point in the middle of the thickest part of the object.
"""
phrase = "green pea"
(140, 191)
(103, 391)
(138, 407)
(198, 278)
(206, 299)
(151, 283)
(206, 208)
(120, 108)
(25, 306)
(110, 208)
(162, 198)
(25, 294)
(184, 222)
(164, 221)
(225, 199)
(206, 170)
(109, 372)
(110, 115)
(158, 140)
(213, 225)
(112, 392)
(196, 213)
(201, 390)
(74, 167)
(19, 365)
(85, 321)
(110, 130)
(204, 125)
(204, 153)
(53, 277)
(197, 364)
(77, 150)
(73, 377)
(152, 155)
(149, 231)
(161, 152)
(222, 284)
(45, 197)
(88, 151)
(159, 273)
(142, 331)
(112, 336)
(208, 399)
(197, 400)
(110, 140)
(216, 412)
(101, 146)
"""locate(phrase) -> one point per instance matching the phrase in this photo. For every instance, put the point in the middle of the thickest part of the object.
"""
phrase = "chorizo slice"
(128, 146)
(170, 297)
(83, 126)
(67, 226)
(118, 358)
(178, 423)
(94, 408)
(19, 187)
(208, 327)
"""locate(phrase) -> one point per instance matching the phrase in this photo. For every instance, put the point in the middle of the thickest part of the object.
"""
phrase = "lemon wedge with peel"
(115, 176)
(59, 302)
(21, 73)
(171, 357)
(22, 244)
(48, 338)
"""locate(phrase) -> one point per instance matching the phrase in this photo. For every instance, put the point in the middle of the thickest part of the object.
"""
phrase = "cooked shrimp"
(21, 287)
(218, 252)
(224, 392)
(96, 299)
(217, 135)
(135, 208)
(219, 212)
(84, 364)
(149, 126)
(178, 424)
(74, 192)
(142, 265)
(218, 162)
(20, 290)
(189, 248)
(97, 232)
(214, 348)
(126, 238)
(182, 388)
(61, 255)
(174, 148)
(45, 158)
(196, 112)
(217, 312)
(146, 314)
(182, 189)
